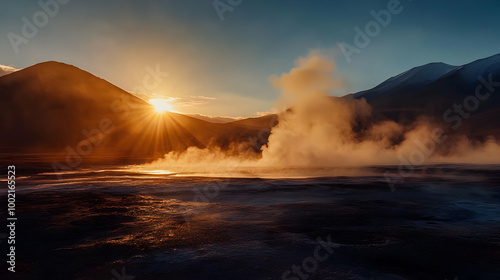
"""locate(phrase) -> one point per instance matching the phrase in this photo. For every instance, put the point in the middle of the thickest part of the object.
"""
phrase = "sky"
(216, 57)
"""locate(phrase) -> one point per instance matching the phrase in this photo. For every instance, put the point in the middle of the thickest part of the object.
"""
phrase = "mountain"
(53, 109)
(432, 90)
(406, 81)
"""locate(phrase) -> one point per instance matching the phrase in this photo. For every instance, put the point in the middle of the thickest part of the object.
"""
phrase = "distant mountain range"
(48, 109)
(432, 90)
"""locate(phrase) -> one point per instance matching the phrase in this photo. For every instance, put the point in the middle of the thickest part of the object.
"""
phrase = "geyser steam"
(318, 130)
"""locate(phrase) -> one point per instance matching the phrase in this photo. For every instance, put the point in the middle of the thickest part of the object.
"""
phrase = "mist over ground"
(318, 130)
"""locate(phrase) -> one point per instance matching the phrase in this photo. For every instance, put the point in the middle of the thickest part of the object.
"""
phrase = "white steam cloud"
(324, 131)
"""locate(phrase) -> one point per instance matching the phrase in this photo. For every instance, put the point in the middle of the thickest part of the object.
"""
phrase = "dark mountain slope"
(51, 106)
(406, 97)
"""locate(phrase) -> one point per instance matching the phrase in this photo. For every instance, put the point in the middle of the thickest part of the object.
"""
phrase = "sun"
(161, 105)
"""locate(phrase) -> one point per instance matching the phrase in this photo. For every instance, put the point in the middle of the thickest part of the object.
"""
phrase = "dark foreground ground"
(442, 223)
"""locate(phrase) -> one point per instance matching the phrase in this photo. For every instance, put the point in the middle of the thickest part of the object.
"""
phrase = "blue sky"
(230, 61)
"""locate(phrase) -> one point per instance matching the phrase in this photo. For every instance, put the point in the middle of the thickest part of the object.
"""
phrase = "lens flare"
(161, 105)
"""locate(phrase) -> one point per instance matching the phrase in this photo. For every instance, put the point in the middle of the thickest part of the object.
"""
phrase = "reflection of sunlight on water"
(125, 169)
(147, 171)
(144, 177)
(17, 178)
(154, 172)
(139, 169)
(255, 172)
(147, 222)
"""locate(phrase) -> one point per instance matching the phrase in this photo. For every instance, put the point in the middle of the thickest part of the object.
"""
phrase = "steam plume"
(318, 130)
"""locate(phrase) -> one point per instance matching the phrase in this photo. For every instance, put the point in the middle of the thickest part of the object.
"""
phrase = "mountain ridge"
(434, 99)
(51, 106)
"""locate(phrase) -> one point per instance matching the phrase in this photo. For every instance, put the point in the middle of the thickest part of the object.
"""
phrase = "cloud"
(177, 102)
(192, 101)
(5, 70)
(265, 113)
(213, 119)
